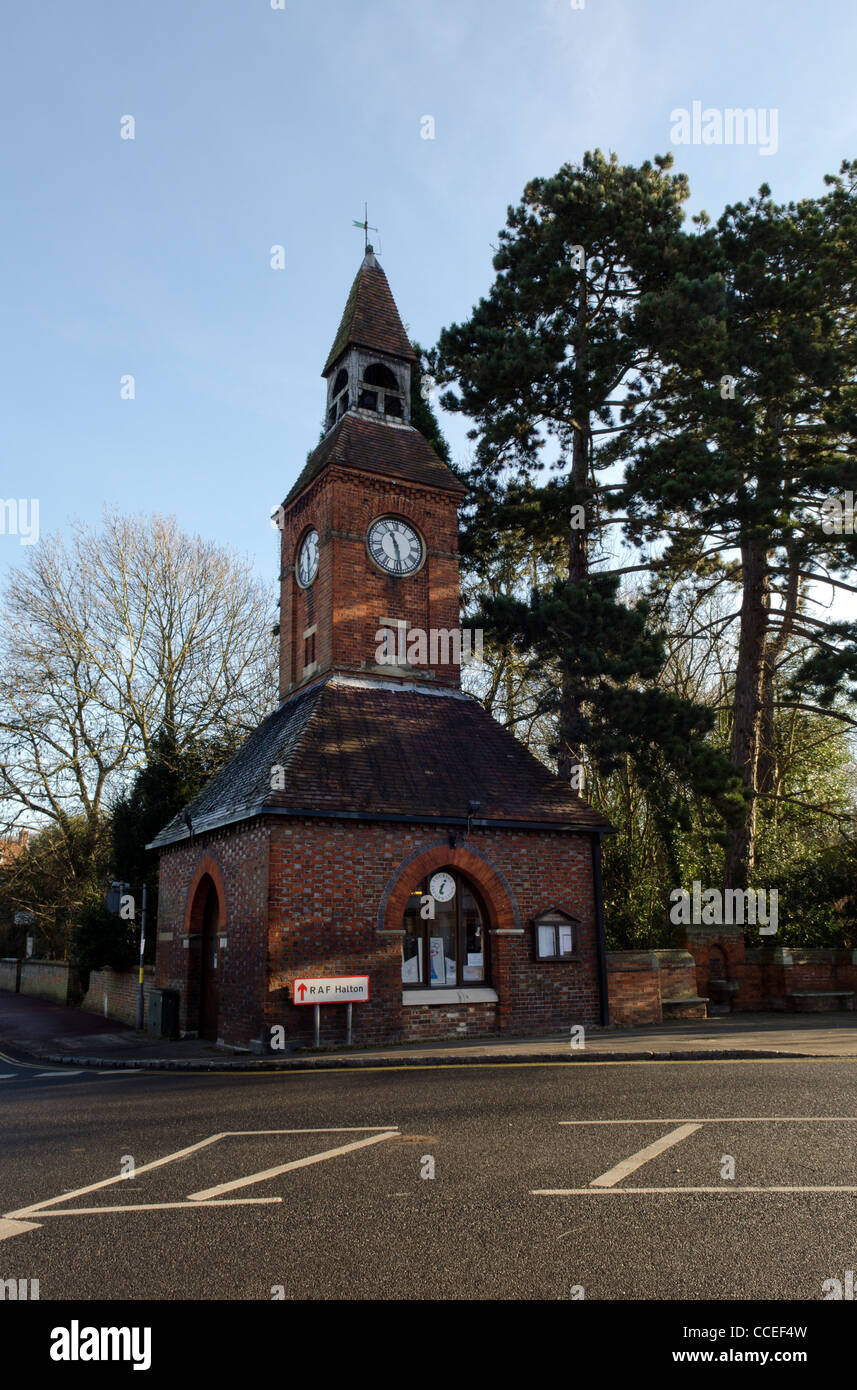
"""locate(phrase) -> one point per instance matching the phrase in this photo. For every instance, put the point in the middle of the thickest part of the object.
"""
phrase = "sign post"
(339, 989)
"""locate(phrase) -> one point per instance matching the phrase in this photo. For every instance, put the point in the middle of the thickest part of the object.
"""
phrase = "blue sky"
(257, 127)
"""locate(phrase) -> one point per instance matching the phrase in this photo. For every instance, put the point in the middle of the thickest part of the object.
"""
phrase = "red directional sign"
(337, 989)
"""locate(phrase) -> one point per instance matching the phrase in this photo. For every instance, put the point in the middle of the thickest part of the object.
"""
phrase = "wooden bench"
(811, 1000)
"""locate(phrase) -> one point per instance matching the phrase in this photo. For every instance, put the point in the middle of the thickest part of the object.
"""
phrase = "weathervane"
(364, 226)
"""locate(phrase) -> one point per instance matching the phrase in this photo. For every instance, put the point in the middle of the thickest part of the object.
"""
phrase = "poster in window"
(474, 968)
(547, 941)
(437, 961)
(412, 969)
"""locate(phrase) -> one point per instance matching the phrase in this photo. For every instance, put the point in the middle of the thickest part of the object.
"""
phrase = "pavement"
(54, 1033)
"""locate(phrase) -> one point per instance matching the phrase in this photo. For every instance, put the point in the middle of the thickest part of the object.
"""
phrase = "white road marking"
(15, 1228)
(730, 1120)
(106, 1182)
(727, 1188)
(210, 1192)
(56, 1073)
(630, 1165)
(7, 1075)
(40, 1207)
(166, 1206)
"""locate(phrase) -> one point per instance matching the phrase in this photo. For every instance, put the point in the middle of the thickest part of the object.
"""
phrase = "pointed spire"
(371, 319)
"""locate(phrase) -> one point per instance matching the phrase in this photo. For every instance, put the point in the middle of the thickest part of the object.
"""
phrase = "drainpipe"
(601, 943)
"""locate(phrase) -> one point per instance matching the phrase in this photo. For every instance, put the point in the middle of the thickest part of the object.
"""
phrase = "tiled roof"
(374, 446)
(371, 319)
(372, 749)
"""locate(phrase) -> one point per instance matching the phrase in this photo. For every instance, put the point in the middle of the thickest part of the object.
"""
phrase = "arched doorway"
(209, 962)
(204, 927)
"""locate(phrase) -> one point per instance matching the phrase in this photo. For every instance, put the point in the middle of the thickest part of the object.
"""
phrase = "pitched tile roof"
(371, 749)
(376, 446)
(371, 319)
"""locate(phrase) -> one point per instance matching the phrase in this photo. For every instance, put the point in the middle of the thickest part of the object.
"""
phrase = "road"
(549, 1182)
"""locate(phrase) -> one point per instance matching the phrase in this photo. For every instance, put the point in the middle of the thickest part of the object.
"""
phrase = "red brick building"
(380, 822)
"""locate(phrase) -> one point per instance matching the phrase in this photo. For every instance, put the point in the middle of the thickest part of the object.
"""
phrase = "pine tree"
(543, 366)
(753, 425)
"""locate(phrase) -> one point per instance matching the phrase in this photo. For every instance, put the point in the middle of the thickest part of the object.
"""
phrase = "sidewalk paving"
(53, 1033)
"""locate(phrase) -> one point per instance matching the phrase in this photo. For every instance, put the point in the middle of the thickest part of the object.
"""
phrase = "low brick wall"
(10, 973)
(639, 981)
(768, 976)
(119, 990)
(772, 974)
(633, 988)
(678, 974)
(50, 979)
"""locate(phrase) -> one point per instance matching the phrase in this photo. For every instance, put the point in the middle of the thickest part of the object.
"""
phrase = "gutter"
(261, 809)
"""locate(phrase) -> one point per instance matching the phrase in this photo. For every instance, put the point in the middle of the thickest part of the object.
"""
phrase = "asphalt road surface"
(687, 1180)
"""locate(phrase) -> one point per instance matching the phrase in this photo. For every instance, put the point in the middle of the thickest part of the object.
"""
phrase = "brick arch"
(486, 877)
(207, 867)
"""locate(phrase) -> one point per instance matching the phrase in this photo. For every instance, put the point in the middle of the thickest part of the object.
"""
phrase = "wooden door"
(209, 997)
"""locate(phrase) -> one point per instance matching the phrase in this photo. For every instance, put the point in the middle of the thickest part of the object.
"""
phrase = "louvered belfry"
(379, 822)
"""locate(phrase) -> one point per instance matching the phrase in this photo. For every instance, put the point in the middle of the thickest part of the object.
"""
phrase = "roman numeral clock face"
(395, 546)
(308, 559)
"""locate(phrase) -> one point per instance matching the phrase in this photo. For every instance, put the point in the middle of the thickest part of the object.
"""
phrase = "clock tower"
(379, 822)
(369, 554)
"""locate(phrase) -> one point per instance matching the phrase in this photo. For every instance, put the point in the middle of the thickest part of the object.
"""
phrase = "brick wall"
(301, 897)
(678, 974)
(350, 593)
(639, 981)
(449, 1021)
(50, 979)
(768, 975)
(119, 989)
(236, 859)
(633, 987)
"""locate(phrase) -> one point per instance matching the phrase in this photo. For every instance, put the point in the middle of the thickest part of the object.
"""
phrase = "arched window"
(338, 398)
(446, 934)
(379, 375)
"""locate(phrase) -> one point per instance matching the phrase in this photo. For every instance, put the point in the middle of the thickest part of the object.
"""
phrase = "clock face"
(442, 887)
(308, 559)
(395, 546)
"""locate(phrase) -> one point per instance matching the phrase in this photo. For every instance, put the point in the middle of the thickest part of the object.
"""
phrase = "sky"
(267, 123)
